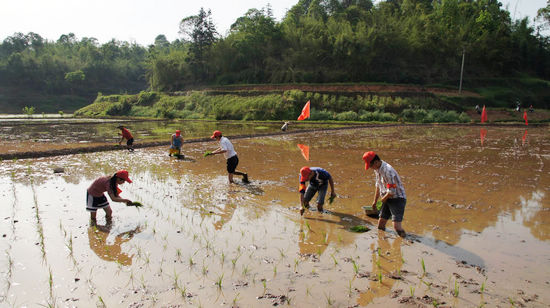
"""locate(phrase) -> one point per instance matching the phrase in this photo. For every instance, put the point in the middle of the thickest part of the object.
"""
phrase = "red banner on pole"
(483, 115)
(305, 112)
(525, 117)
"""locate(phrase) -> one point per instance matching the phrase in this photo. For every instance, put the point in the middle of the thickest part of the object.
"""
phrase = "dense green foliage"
(318, 41)
(72, 68)
(199, 105)
(396, 41)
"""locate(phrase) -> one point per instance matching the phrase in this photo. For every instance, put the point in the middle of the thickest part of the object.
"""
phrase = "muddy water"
(42, 134)
(203, 242)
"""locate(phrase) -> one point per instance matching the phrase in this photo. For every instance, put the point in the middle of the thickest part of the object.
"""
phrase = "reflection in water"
(98, 236)
(387, 261)
(535, 216)
(319, 231)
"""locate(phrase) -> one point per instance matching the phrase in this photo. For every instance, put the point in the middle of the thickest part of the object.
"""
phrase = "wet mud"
(477, 219)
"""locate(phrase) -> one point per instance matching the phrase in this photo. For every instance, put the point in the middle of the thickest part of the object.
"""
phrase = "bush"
(347, 116)
(147, 98)
(321, 115)
(377, 116)
(433, 116)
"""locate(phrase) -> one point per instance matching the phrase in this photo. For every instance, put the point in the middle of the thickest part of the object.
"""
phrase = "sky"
(141, 21)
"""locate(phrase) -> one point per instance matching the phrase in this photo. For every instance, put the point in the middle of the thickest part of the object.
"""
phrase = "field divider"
(110, 147)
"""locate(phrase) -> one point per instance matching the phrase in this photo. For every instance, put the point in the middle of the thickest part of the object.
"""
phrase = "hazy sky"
(143, 20)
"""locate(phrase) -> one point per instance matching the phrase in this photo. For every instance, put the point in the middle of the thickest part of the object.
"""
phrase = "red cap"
(178, 132)
(216, 133)
(304, 173)
(367, 157)
(123, 174)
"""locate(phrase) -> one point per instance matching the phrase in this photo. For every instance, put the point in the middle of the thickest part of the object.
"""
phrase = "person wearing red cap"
(95, 197)
(226, 148)
(125, 134)
(176, 142)
(319, 179)
(389, 190)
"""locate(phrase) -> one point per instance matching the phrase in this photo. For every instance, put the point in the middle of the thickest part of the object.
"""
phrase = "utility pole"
(462, 70)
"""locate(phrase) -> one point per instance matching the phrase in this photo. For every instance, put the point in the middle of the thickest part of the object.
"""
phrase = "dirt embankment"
(360, 88)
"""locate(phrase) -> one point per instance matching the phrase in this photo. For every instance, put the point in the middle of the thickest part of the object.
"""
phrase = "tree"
(544, 14)
(200, 30)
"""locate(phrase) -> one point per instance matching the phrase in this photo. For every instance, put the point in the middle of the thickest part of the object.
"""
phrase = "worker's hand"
(374, 206)
(332, 197)
(128, 202)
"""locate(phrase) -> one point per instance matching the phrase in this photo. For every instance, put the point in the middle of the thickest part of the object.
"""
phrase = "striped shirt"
(387, 179)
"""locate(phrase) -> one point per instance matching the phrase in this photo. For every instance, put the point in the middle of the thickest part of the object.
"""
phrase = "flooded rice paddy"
(477, 218)
(43, 134)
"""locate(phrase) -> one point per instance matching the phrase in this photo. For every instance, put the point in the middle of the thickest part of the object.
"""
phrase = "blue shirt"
(320, 177)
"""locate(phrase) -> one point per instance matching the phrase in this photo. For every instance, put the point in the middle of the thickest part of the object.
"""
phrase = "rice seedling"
(204, 270)
(191, 262)
(264, 284)
(69, 244)
(325, 238)
(482, 288)
(101, 302)
(131, 278)
(296, 261)
(456, 289)
(222, 258)
(423, 267)
(10, 264)
(234, 260)
(178, 254)
(355, 267)
(412, 291)
(350, 288)
(378, 263)
(275, 270)
(428, 284)
(334, 259)
(435, 303)
(512, 302)
(183, 292)
(235, 299)
(308, 226)
(245, 270)
(143, 283)
(282, 253)
(219, 281)
(329, 299)
(379, 277)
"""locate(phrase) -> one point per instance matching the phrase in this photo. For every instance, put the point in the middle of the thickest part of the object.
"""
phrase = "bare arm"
(376, 196)
(218, 151)
(118, 199)
(331, 183)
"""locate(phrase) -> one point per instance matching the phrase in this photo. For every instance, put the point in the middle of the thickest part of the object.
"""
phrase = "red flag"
(305, 112)
(525, 117)
(305, 151)
(482, 134)
(483, 115)
(524, 138)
